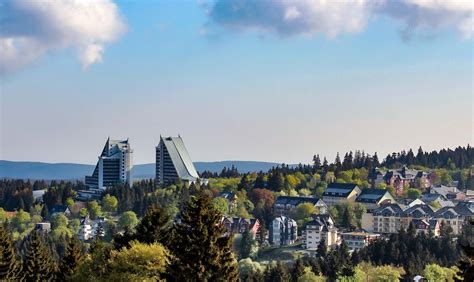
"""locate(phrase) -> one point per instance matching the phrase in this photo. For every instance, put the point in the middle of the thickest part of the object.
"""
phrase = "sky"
(238, 80)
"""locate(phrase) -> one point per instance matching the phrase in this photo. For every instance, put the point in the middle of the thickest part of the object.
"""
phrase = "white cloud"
(335, 17)
(32, 28)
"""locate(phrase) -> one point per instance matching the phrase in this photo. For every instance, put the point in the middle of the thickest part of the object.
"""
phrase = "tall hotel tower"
(173, 162)
(114, 166)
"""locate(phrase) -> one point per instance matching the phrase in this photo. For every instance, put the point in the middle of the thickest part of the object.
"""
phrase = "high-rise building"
(173, 162)
(114, 166)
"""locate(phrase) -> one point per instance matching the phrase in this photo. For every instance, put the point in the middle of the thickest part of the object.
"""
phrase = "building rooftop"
(180, 158)
(371, 195)
(339, 189)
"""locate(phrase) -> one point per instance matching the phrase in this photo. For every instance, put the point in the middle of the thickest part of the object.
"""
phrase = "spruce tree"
(298, 269)
(71, 258)
(9, 267)
(37, 262)
(200, 250)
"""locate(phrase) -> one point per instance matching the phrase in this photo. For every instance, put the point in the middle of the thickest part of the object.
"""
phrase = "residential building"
(451, 193)
(338, 193)
(321, 227)
(358, 239)
(385, 219)
(455, 216)
(399, 178)
(427, 226)
(173, 162)
(59, 209)
(114, 166)
(85, 232)
(285, 204)
(371, 198)
(43, 227)
(231, 198)
(411, 202)
(392, 217)
(419, 212)
(437, 200)
(283, 231)
(240, 225)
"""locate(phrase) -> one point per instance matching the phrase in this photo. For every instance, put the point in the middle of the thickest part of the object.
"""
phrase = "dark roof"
(339, 189)
(295, 200)
(418, 211)
(371, 195)
(57, 208)
(323, 220)
(462, 209)
(388, 210)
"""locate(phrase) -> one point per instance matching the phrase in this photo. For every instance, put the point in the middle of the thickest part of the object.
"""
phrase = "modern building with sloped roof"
(114, 166)
(338, 193)
(173, 162)
(371, 198)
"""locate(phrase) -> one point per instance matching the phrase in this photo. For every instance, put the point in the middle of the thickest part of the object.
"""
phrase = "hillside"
(39, 170)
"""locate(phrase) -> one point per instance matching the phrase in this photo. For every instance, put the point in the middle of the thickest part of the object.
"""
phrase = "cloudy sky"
(238, 80)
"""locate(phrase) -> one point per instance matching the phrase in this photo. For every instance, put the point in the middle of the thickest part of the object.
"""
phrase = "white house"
(321, 227)
(284, 231)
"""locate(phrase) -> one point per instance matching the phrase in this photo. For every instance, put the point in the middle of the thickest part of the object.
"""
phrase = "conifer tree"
(298, 269)
(37, 262)
(9, 267)
(200, 250)
(71, 258)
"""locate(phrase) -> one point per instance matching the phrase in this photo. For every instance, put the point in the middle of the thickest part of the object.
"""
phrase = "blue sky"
(240, 93)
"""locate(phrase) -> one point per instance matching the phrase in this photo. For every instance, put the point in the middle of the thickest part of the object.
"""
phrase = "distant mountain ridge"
(72, 171)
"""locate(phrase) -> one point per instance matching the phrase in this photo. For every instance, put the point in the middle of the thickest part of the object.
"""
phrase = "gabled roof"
(428, 198)
(371, 195)
(180, 158)
(462, 209)
(388, 210)
(295, 200)
(444, 190)
(321, 220)
(418, 211)
(339, 189)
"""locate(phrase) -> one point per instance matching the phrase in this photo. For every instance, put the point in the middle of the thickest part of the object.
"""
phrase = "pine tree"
(278, 273)
(200, 249)
(9, 267)
(37, 262)
(246, 245)
(71, 258)
(298, 269)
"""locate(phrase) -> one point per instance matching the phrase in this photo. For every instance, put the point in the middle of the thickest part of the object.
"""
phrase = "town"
(285, 214)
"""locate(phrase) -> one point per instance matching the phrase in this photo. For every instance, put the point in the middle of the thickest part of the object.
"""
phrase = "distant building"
(43, 227)
(114, 166)
(285, 204)
(284, 231)
(427, 226)
(371, 198)
(437, 200)
(59, 209)
(240, 225)
(385, 219)
(321, 227)
(85, 232)
(398, 178)
(339, 193)
(173, 162)
(455, 216)
(391, 218)
(451, 193)
(357, 240)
